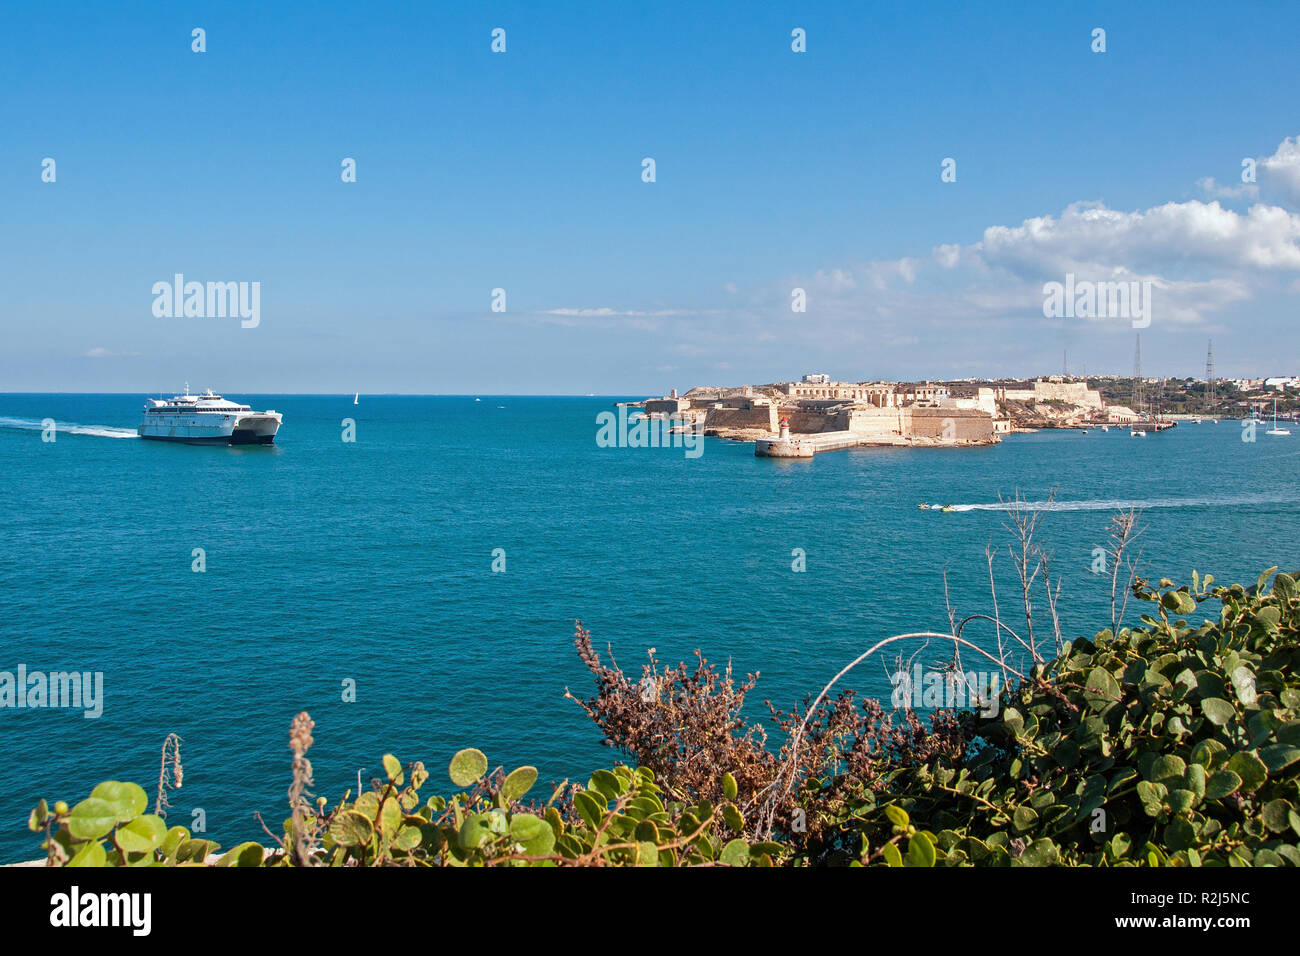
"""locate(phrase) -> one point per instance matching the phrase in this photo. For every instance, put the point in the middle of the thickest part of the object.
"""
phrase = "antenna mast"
(1137, 376)
(1209, 376)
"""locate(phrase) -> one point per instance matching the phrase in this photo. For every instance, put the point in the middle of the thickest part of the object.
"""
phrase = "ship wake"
(1116, 504)
(68, 428)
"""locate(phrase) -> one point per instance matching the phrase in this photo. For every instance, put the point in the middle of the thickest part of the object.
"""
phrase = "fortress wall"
(757, 416)
(929, 423)
(875, 422)
(665, 406)
(808, 421)
(983, 400)
(1076, 393)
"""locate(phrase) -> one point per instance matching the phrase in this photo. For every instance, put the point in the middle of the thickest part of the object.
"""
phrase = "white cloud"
(947, 256)
(1281, 171)
(1200, 257)
(1088, 234)
(1212, 189)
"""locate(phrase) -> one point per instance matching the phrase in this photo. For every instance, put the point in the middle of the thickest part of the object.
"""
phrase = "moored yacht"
(207, 419)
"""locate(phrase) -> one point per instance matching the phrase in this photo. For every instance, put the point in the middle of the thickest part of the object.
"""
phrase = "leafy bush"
(1169, 744)
(618, 819)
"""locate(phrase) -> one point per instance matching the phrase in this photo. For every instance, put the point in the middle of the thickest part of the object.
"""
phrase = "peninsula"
(815, 414)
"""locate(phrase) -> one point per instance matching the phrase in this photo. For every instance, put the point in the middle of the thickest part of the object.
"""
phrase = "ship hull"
(190, 439)
(237, 437)
(255, 430)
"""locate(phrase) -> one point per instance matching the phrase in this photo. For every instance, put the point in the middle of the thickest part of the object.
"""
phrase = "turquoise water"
(371, 561)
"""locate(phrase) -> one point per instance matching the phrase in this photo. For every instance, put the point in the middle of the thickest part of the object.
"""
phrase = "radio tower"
(1137, 376)
(1209, 376)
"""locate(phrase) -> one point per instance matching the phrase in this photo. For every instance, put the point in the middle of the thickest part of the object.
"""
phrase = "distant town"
(797, 419)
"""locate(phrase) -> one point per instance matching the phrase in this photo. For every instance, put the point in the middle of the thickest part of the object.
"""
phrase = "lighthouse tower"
(785, 429)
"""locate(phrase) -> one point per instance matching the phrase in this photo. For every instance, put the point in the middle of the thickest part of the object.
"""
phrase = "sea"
(415, 588)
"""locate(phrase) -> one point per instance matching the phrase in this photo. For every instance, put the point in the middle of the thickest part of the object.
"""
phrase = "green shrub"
(1170, 744)
(618, 819)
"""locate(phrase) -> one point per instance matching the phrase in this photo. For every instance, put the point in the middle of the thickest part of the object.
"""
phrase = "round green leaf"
(897, 815)
(920, 849)
(142, 835)
(468, 767)
(393, 768)
(1218, 711)
(1101, 689)
(408, 837)
(477, 829)
(606, 783)
(246, 854)
(128, 800)
(1279, 756)
(92, 818)
(735, 853)
(1250, 769)
(1167, 769)
(390, 816)
(1276, 815)
(533, 834)
(518, 783)
(350, 828)
(92, 854)
(589, 807)
(1025, 818)
(647, 830)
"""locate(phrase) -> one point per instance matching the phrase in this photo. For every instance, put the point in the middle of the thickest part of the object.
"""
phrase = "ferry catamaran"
(207, 419)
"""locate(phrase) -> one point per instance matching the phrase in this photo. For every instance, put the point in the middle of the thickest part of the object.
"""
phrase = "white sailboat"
(1275, 430)
(355, 398)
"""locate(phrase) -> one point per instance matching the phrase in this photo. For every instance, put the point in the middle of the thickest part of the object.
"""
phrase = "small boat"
(355, 398)
(924, 506)
(1275, 430)
(1105, 428)
(946, 508)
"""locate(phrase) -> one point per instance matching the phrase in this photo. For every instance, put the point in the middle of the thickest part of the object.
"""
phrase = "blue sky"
(522, 171)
